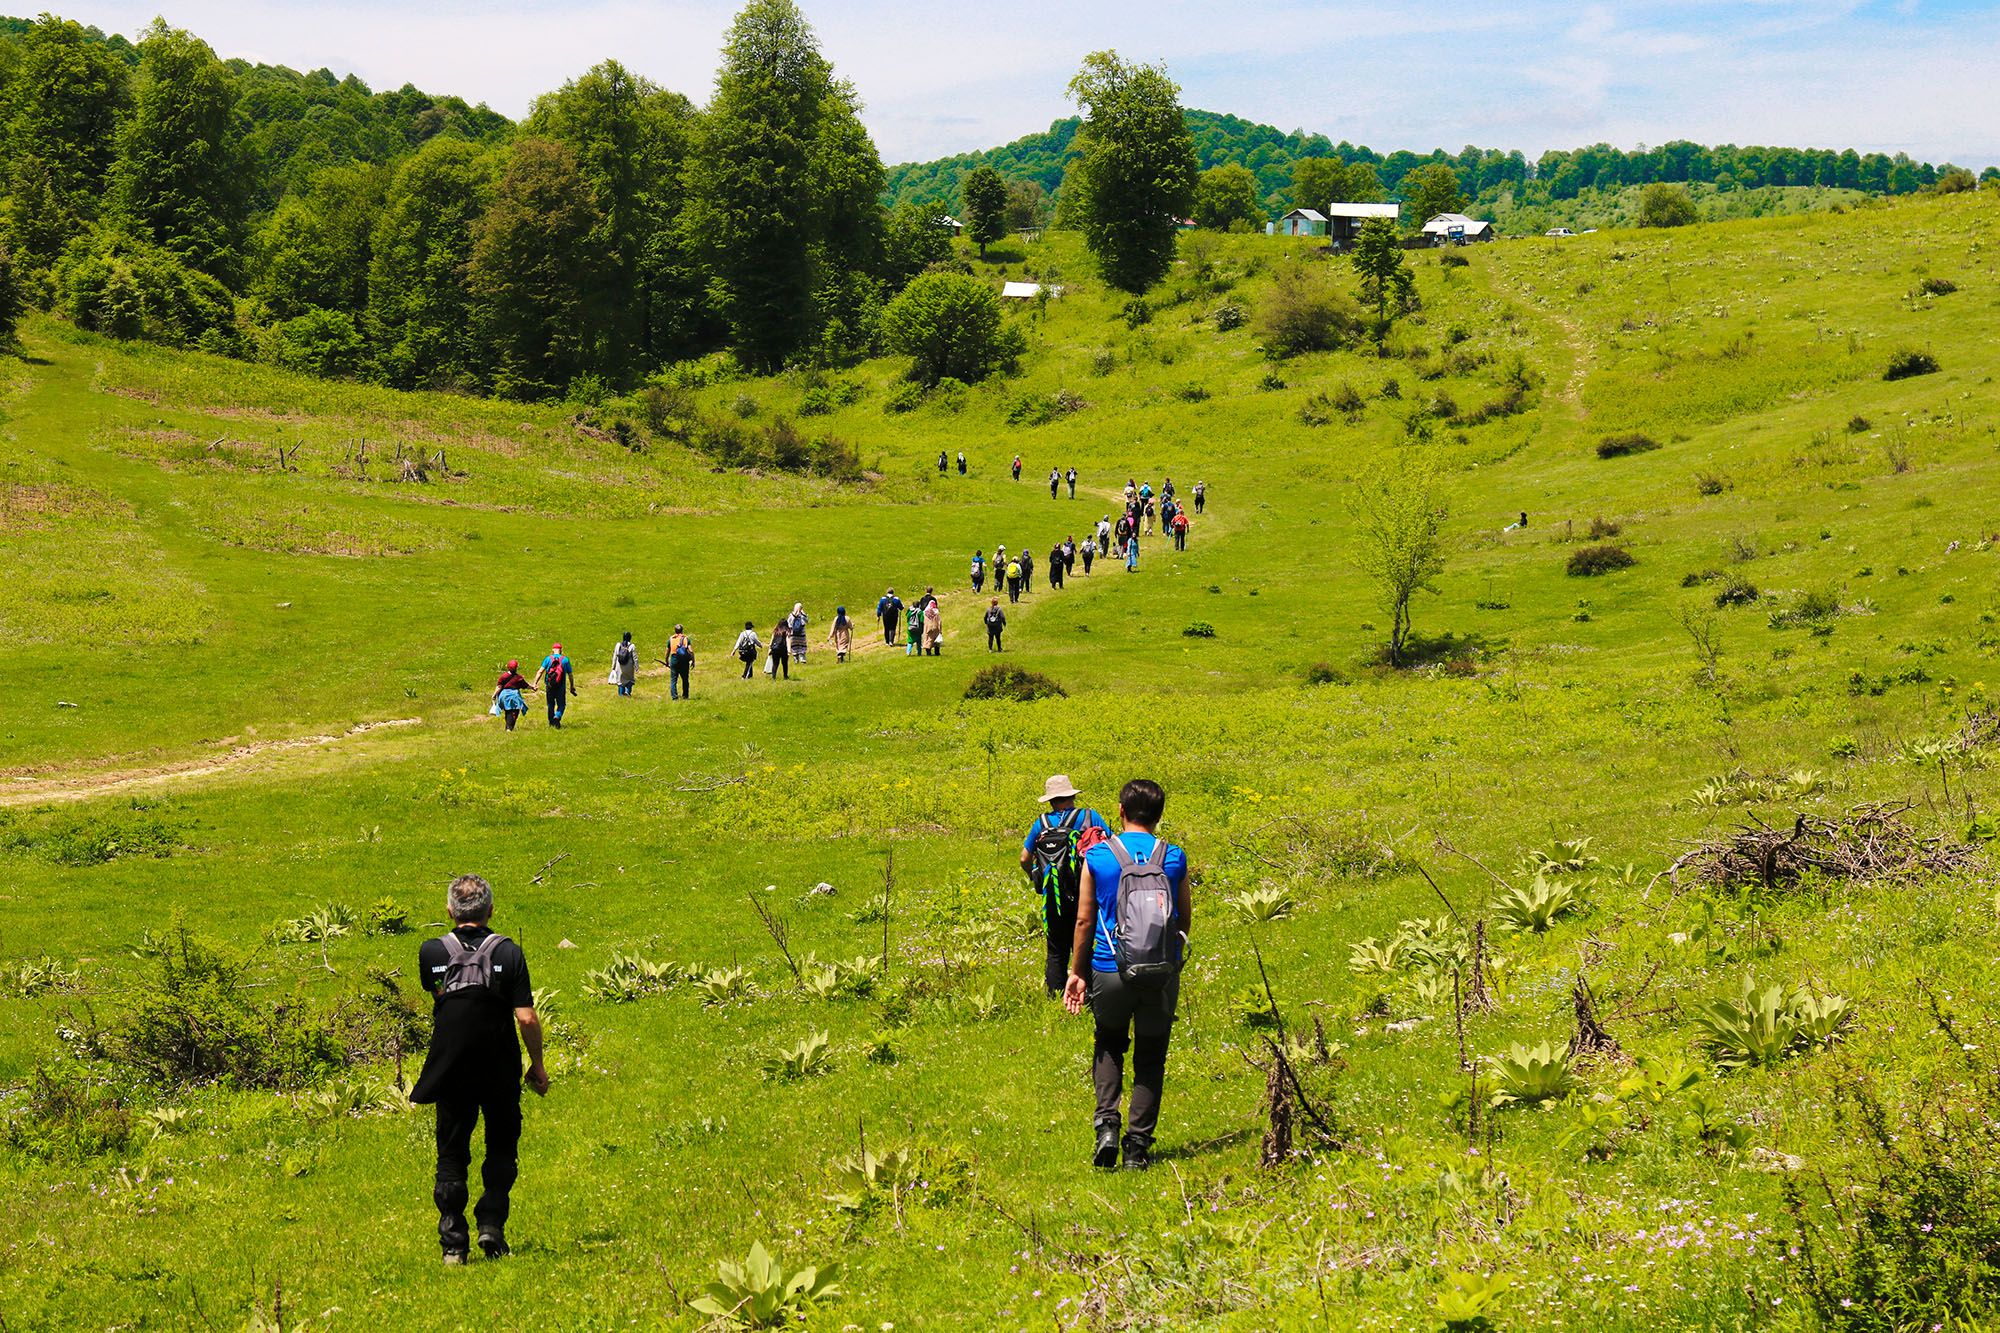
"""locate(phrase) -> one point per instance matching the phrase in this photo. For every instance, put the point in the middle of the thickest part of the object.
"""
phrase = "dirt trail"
(35, 791)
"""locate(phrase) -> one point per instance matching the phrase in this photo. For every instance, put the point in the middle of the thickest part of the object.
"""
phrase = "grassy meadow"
(204, 643)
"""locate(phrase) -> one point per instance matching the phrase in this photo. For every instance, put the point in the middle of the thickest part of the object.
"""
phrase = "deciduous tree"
(532, 272)
(1399, 540)
(1431, 190)
(1135, 178)
(1227, 195)
(950, 324)
(985, 196)
(418, 302)
(1664, 205)
(178, 178)
(60, 132)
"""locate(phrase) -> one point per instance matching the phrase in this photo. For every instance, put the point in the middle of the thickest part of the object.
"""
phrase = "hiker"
(780, 653)
(1055, 483)
(1145, 492)
(507, 700)
(1201, 496)
(1133, 916)
(680, 665)
(1167, 489)
(924, 602)
(889, 610)
(996, 621)
(961, 462)
(1056, 566)
(1180, 526)
(624, 665)
(1103, 538)
(841, 636)
(914, 645)
(1052, 859)
(1167, 511)
(978, 573)
(934, 629)
(555, 680)
(1131, 491)
(1089, 554)
(943, 462)
(1069, 555)
(1131, 552)
(1027, 571)
(748, 647)
(1017, 467)
(999, 565)
(1070, 477)
(480, 993)
(1013, 582)
(1149, 516)
(797, 625)
(1122, 531)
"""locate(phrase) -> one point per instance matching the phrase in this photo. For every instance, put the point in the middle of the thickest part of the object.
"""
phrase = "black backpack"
(1056, 864)
(465, 969)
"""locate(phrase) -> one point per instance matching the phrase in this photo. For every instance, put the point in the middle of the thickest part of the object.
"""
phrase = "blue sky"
(944, 76)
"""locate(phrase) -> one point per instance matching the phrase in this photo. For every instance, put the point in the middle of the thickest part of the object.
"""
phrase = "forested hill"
(1489, 177)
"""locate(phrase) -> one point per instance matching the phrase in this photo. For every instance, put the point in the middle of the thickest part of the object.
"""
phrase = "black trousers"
(558, 699)
(993, 641)
(1062, 939)
(678, 684)
(456, 1118)
(1180, 539)
(1143, 1020)
(889, 630)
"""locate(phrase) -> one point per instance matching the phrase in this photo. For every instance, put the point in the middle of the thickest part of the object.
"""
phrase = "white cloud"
(940, 76)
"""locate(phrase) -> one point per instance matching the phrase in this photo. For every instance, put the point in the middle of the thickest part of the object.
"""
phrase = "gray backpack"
(466, 968)
(1145, 937)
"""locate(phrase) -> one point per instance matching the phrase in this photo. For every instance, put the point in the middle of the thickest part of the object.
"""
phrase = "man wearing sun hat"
(1052, 859)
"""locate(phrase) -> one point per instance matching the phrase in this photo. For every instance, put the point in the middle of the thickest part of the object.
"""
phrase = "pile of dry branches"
(1869, 842)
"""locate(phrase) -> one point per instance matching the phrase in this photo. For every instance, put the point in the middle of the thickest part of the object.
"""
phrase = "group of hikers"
(1117, 913)
(921, 624)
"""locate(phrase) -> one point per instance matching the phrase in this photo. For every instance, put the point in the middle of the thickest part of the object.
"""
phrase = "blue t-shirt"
(548, 664)
(1085, 818)
(1104, 877)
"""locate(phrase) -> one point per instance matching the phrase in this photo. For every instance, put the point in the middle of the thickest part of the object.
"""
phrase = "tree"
(532, 272)
(1135, 177)
(1386, 279)
(1226, 195)
(985, 197)
(12, 306)
(1318, 181)
(783, 184)
(1027, 205)
(1664, 205)
(178, 179)
(950, 324)
(1399, 536)
(1304, 312)
(60, 131)
(914, 238)
(418, 303)
(1431, 190)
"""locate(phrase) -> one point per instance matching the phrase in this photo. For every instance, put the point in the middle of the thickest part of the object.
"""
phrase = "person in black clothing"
(943, 462)
(1027, 571)
(961, 462)
(1056, 565)
(1201, 496)
(996, 623)
(890, 611)
(1089, 553)
(481, 994)
(1070, 477)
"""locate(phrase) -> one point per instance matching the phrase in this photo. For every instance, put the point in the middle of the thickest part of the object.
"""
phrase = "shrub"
(1665, 205)
(1735, 591)
(1229, 317)
(1012, 682)
(1602, 527)
(128, 288)
(1325, 673)
(1908, 362)
(1192, 393)
(1305, 313)
(1136, 312)
(1937, 286)
(1347, 400)
(1272, 381)
(1039, 409)
(319, 342)
(1391, 389)
(1859, 425)
(1617, 446)
(1200, 629)
(1587, 561)
(1103, 361)
(905, 397)
(1710, 483)
(951, 324)
(1453, 259)
(139, 828)
(69, 1116)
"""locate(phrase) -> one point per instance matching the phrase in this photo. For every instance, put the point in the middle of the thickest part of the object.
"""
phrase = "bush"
(1453, 259)
(1710, 483)
(128, 288)
(1665, 205)
(319, 342)
(1038, 409)
(1137, 312)
(1016, 683)
(1937, 286)
(68, 1117)
(1587, 561)
(1192, 393)
(1602, 527)
(951, 324)
(1325, 673)
(75, 838)
(1908, 362)
(905, 397)
(1735, 591)
(1229, 317)
(1305, 313)
(13, 303)
(1617, 446)
(1200, 629)
(1103, 361)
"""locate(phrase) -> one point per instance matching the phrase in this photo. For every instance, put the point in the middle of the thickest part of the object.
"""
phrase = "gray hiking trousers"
(1141, 1017)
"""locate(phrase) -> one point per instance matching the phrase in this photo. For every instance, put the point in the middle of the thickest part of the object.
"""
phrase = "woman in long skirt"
(797, 624)
(841, 636)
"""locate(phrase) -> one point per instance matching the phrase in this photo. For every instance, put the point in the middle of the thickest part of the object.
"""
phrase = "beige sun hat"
(1058, 787)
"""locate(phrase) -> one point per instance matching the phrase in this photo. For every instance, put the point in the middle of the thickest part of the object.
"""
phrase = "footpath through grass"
(176, 599)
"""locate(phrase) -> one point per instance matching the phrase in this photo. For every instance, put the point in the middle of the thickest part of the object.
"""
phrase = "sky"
(943, 76)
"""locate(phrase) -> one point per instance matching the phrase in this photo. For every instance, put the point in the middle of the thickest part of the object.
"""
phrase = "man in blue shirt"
(1127, 1012)
(556, 679)
(889, 611)
(1052, 859)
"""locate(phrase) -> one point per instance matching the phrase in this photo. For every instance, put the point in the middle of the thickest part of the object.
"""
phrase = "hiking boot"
(1138, 1154)
(454, 1258)
(493, 1244)
(1106, 1155)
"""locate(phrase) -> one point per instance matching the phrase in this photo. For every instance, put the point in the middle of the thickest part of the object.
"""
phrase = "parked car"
(1559, 232)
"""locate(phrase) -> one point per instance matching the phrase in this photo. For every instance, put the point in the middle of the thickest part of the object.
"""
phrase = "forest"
(157, 192)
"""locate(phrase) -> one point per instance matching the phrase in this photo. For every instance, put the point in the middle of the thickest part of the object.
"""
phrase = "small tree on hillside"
(950, 324)
(985, 207)
(1225, 196)
(12, 306)
(1665, 205)
(1399, 515)
(1318, 181)
(1431, 190)
(1386, 279)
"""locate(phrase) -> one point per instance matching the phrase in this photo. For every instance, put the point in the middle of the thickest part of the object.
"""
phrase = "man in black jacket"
(481, 993)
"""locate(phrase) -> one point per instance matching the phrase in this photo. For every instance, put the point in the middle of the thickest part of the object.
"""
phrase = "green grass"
(191, 603)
